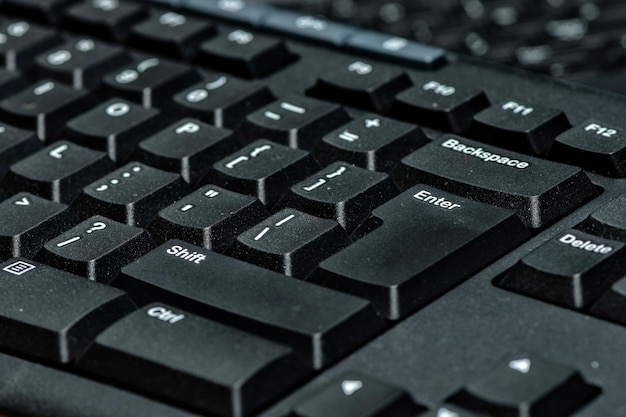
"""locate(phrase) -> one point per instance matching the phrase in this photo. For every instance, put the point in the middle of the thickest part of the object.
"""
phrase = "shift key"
(419, 245)
(320, 324)
(540, 191)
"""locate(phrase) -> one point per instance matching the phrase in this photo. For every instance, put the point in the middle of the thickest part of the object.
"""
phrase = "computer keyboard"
(232, 210)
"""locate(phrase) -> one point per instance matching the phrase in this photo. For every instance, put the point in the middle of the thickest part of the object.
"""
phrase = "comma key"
(417, 246)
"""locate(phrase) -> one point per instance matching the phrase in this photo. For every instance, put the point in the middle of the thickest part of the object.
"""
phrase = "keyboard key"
(595, 146)
(290, 242)
(22, 41)
(353, 394)
(396, 275)
(11, 82)
(244, 54)
(572, 269)
(297, 122)
(448, 410)
(211, 217)
(312, 28)
(239, 11)
(218, 369)
(15, 144)
(539, 191)
(371, 142)
(96, 248)
(114, 127)
(527, 128)
(133, 194)
(28, 388)
(440, 104)
(340, 192)
(108, 19)
(524, 384)
(361, 84)
(608, 221)
(320, 324)
(222, 100)
(171, 33)
(263, 169)
(188, 147)
(43, 10)
(34, 222)
(45, 107)
(81, 62)
(150, 81)
(612, 304)
(57, 172)
(82, 309)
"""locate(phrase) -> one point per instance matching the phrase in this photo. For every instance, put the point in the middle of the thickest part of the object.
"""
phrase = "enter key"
(419, 245)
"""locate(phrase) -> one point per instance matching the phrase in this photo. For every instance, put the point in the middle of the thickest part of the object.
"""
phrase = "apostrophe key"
(133, 194)
(211, 217)
(82, 309)
(96, 248)
(57, 172)
(320, 324)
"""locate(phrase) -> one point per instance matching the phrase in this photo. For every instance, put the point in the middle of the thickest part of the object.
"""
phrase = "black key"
(367, 85)
(320, 324)
(171, 33)
(15, 144)
(298, 122)
(612, 304)
(151, 82)
(81, 62)
(371, 142)
(109, 19)
(57, 172)
(595, 146)
(238, 11)
(96, 248)
(539, 191)
(21, 42)
(188, 147)
(440, 104)
(312, 28)
(341, 192)
(218, 369)
(45, 107)
(222, 100)
(11, 82)
(524, 384)
(609, 221)
(82, 309)
(46, 10)
(263, 169)
(133, 194)
(244, 54)
(448, 410)
(399, 276)
(34, 221)
(27, 388)
(114, 127)
(290, 242)
(211, 217)
(572, 269)
(353, 394)
(527, 128)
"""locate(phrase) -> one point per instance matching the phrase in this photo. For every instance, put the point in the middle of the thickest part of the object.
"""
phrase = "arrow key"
(356, 395)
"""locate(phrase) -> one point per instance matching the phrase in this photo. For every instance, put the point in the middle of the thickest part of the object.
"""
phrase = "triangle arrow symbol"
(349, 387)
(520, 365)
(22, 202)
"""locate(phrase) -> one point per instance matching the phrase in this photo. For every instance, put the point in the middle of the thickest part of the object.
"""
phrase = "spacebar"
(425, 242)
(30, 389)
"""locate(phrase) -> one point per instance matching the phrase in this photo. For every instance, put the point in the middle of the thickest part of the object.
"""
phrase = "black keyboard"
(582, 40)
(226, 209)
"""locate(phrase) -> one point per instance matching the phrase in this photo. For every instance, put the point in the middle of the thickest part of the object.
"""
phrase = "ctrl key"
(526, 385)
(186, 359)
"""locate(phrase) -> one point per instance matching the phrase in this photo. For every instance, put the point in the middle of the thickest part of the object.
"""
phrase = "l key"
(427, 242)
